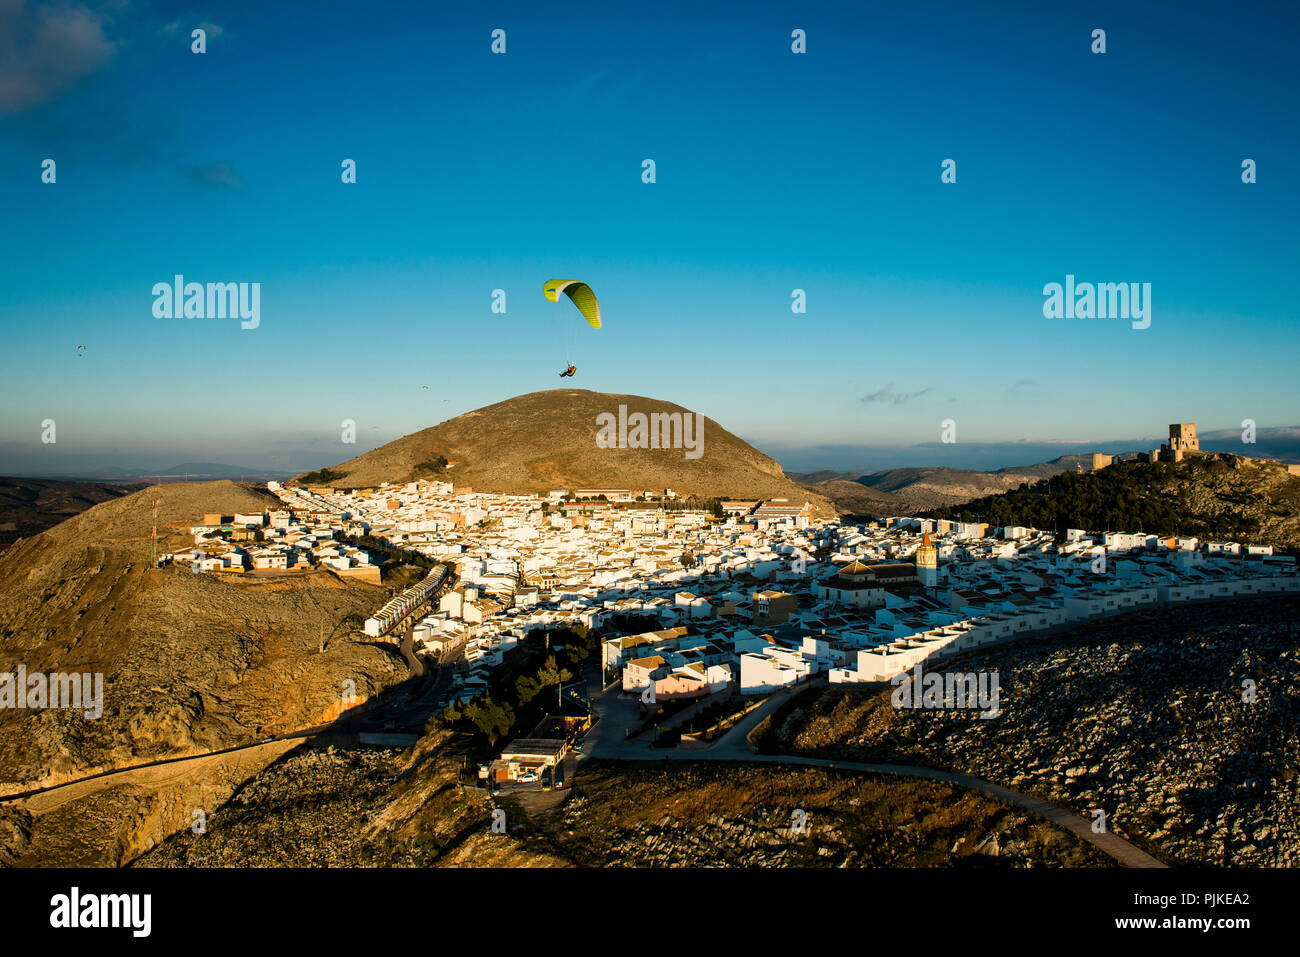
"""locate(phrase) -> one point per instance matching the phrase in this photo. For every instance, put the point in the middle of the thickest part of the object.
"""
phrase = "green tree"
(492, 719)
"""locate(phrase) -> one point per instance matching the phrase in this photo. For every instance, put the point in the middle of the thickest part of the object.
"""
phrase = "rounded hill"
(548, 440)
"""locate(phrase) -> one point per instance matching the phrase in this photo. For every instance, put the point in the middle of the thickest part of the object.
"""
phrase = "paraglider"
(582, 296)
(80, 351)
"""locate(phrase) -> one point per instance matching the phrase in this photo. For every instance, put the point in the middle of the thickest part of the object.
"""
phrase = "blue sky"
(775, 171)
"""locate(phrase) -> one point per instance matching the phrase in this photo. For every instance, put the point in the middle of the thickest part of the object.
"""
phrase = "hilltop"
(1211, 496)
(547, 440)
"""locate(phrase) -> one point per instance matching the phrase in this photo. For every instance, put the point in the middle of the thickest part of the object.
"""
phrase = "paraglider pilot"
(568, 372)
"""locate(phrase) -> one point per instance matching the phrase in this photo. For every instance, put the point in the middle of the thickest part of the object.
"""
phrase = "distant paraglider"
(81, 350)
(582, 296)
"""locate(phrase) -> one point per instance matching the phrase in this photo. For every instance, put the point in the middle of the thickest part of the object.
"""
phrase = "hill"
(547, 440)
(31, 505)
(1213, 496)
(851, 497)
(907, 490)
(189, 662)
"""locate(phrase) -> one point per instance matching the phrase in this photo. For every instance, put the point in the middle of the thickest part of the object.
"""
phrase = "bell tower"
(927, 562)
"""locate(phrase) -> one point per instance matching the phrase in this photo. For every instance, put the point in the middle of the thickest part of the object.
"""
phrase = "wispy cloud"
(888, 395)
(216, 174)
(45, 50)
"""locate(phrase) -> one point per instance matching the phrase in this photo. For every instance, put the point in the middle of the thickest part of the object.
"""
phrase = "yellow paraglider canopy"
(581, 295)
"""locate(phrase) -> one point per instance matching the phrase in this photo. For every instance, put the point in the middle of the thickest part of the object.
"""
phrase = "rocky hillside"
(190, 662)
(1142, 717)
(547, 440)
(1217, 496)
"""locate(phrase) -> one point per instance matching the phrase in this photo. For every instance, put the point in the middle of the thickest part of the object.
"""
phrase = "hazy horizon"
(1277, 443)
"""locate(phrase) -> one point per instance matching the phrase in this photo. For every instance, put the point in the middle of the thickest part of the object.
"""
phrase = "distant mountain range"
(185, 471)
(31, 505)
(198, 471)
(909, 490)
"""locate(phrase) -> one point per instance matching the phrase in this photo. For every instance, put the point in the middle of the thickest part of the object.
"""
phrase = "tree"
(492, 719)
(435, 465)
(550, 673)
(687, 560)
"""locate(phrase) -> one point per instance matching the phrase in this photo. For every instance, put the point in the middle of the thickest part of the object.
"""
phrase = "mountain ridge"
(902, 490)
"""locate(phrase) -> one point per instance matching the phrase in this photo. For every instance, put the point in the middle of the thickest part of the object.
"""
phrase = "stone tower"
(1182, 437)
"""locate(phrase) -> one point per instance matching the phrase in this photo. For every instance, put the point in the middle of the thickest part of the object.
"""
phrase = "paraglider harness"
(568, 372)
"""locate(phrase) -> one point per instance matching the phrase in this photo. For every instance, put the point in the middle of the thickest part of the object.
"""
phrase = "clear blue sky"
(775, 171)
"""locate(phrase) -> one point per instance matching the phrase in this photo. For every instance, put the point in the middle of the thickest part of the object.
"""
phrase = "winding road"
(606, 741)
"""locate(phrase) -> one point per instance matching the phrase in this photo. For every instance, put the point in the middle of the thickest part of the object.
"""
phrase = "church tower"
(927, 563)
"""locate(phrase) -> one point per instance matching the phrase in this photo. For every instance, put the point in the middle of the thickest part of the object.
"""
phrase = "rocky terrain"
(1142, 717)
(388, 808)
(547, 440)
(705, 816)
(109, 821)
(190, 662)
(329, 807)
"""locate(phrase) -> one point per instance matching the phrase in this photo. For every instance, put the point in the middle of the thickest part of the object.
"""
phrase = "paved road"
(154, 774)
(735, 746)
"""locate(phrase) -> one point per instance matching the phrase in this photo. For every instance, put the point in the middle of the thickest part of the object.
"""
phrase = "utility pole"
(153, 539)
